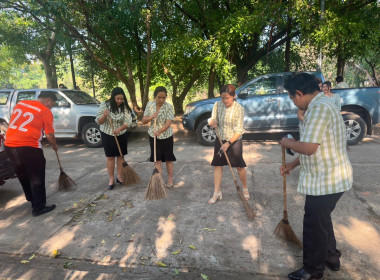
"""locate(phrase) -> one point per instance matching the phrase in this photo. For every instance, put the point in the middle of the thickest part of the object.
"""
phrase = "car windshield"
(80, 97)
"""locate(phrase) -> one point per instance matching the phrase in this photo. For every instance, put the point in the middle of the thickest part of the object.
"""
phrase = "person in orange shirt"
(23, 145)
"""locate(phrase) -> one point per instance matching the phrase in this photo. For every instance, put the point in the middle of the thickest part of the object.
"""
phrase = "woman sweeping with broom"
(227, 117)
(116, 110)
(160, 115)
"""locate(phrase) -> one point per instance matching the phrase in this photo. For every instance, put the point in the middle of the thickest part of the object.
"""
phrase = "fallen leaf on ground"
(177, 252)
(32, 257)
(118, 235)
(192, 247)
(176, 271)
(24, 261)
(161, 264)
(205, 277)
(209, 229)
(103, 241)
(56, 253)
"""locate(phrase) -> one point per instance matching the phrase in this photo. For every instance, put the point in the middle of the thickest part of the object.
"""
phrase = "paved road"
(116, 234)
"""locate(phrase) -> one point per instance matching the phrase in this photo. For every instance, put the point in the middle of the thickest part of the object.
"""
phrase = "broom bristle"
(284, 230)
(65, 183)
(129, 176)
(156, 187)
(248, 209)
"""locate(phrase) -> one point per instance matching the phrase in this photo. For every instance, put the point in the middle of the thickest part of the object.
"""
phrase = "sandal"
(246, 193)
(217, 196)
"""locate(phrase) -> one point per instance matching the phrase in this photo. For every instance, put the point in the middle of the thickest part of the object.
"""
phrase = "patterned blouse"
(336, 100)
(230, 120)
(328, 170)
(166, 113)
(118, 119)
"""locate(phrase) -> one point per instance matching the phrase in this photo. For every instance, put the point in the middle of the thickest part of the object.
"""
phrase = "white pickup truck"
(74, 114)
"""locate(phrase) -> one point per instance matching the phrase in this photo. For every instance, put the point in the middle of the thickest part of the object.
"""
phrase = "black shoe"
(301, 274)
(111, 186)
(119, 182)
(44, 210)
(334, 265)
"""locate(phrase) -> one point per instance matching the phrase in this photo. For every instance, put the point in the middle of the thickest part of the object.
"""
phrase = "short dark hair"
(48, 94)
(303, 82)
(230, 89)
(339, 79)
(160, 89)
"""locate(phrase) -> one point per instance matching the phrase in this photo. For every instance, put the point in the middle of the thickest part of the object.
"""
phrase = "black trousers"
(29, 164)
(319, 244)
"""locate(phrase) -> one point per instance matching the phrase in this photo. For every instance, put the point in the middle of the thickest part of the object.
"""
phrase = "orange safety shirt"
(29, 118)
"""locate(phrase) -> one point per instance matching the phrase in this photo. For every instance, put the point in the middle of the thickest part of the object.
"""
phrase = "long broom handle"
(225, 154)
(284, 179)
(154, 141)
(59, 162)
(113, 131)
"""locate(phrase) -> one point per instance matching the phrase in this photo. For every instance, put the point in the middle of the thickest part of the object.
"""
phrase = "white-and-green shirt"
(336, 100)
(328, 170)
(166, 113)
(230, 120)
(118, 119)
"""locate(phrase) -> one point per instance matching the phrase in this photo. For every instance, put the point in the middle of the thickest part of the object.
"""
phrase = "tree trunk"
(72, 66)
(51, 77)
(341, 61)
(287, 44)
(211, 82)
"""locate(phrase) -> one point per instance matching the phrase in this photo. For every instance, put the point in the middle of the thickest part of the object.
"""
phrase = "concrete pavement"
(103, 234)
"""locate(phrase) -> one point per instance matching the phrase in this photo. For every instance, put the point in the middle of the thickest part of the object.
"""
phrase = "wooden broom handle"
(155, 137)
(284, 178)
(113, 131)
(225, 154)
(59, 162)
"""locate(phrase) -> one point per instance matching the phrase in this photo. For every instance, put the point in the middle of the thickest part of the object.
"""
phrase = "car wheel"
(3, 128)
(356, 128)
(206, 134)
(91, 135)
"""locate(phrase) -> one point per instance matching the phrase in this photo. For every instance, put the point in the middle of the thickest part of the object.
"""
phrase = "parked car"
(268, 109)
(74, 114)
(6, 169)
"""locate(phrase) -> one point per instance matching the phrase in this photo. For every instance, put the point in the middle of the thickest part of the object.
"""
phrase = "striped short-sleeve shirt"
(166, 113)
(230, 120)
(118, 119)
(328, 170)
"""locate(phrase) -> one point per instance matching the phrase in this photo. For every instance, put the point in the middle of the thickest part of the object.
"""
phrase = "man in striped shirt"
(325, 174)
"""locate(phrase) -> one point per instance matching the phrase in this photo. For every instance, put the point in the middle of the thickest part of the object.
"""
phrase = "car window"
(26, 95)
(4, 97)
(80, 97)
(264, 86)
(61, 101)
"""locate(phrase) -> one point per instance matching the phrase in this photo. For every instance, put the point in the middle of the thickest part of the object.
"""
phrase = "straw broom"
(156, 186)
(128, 175)
(65, 183)
(283, 229)
(248, 209)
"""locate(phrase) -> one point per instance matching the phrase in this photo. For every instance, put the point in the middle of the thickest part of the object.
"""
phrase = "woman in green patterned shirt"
(162, 111)
(118, 110)
(335, 97)
(228, 116)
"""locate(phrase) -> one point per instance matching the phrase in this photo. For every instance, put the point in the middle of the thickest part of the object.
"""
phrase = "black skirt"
(234, 153)
(110, 147)
(164, 149)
